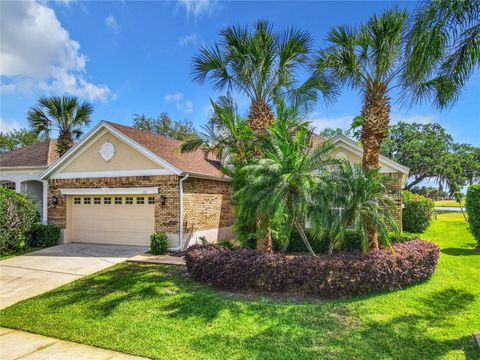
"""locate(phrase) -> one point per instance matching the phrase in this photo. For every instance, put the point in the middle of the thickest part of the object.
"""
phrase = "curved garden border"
(329, 276)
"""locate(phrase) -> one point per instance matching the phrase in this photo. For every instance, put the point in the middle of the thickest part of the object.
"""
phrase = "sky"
(135, 58)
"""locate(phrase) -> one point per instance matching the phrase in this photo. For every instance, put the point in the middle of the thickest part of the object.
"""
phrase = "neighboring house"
(20, 170)
(118, 185)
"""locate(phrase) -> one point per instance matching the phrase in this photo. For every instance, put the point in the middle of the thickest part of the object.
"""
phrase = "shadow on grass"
(461, 251)
(262, 328)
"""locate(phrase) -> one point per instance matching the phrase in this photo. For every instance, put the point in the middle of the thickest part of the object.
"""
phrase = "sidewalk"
(16, 344)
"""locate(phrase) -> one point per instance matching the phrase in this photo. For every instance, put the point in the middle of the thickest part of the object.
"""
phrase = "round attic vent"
(107, 151)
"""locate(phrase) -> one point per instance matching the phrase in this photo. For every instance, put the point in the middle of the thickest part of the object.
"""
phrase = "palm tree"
(369, 59)
(63, 114)
(357, 200)
(262, 65)
(283, 180)
(443, 49)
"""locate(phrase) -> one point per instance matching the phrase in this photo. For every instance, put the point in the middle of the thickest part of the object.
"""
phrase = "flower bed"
(329, 276)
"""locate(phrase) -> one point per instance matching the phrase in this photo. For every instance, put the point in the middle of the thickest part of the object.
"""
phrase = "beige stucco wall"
(125, 158)
(356, 159)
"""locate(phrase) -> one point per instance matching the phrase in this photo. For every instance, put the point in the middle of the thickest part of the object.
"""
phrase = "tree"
(369, 59)
(182, 130)
(424, 148)
(263, 65)
(443, 49)
(469, 157)
(63, 114)
(17, 139)
(282, 180)
(329, 133)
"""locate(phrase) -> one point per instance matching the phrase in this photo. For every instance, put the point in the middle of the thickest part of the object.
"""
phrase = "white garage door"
(126, 220)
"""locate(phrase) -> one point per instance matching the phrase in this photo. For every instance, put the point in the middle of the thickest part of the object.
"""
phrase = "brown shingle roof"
(317, 140)
(40, 154)
(168, 150)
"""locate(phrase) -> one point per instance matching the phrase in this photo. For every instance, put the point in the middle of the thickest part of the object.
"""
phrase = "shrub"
(41, 235)
(330, 276)
(417, 212)
(226, 244)
(402, 237)
(473, 211)
(158, 243)
(17, 215)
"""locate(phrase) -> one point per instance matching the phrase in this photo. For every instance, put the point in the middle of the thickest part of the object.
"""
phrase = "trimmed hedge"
(17, 215)
(158, 243)
(41, 235)
(473, 211)
(330, 276)
(417, 212)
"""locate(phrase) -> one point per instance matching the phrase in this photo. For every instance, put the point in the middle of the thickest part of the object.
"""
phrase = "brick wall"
(207, 203)
(394, 186)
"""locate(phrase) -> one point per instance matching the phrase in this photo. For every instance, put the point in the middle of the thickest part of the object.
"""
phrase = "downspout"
(180, 215)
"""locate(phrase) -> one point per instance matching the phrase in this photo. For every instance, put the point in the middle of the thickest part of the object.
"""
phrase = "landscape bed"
(160, 312)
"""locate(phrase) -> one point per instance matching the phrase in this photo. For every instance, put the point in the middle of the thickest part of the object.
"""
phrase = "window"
(107, 200)
(86, 201)
(77, 200)
(140, 200)
(151, 200)
(118, 200)
(97, 201)
(9, 185)
(129, 200)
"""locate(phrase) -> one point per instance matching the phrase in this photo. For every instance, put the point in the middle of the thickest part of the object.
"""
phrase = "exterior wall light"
(163, 199)
(54, 200)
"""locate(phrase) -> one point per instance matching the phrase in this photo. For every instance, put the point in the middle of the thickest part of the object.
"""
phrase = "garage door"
(125, 220)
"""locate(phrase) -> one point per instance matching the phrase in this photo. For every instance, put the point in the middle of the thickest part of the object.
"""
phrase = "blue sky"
(135, 57)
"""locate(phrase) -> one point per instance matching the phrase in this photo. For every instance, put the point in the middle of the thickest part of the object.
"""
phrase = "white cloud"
(422, 119)
(176, 96)
(186, 107)
(37, 53)
(197, 8)
(112, 23)
(188, 39)
(343, 122)
(7, 126)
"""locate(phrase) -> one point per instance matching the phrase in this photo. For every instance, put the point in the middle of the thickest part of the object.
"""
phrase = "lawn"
(450, 203)
(158, 312)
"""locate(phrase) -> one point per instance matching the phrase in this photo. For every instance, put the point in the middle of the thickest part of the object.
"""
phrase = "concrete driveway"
(34, 273)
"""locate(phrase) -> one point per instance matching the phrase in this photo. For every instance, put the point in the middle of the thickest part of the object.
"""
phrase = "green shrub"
(417, 212)
(405, 236)
(17, 215)
(158, 243)
(41, 235)
(226, 244)
(473, 211)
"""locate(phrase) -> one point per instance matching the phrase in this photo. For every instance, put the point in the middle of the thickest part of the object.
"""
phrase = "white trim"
(355, 148)
(110, 191)
(118, 134)
(210, 177)
(112, 173)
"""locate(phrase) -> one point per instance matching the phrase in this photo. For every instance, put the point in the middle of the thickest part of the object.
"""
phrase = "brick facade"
(207, 203)
(394, 186)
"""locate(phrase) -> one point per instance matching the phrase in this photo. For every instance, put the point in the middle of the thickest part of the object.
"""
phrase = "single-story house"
(119, 184)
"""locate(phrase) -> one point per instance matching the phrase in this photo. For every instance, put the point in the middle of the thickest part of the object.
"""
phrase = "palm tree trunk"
(264, 243)
(64, 142)
(376, 115)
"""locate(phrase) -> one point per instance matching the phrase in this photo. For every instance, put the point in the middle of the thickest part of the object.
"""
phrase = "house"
(119, 184)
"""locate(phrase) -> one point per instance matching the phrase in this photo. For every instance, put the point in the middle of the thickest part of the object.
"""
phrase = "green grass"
(451, 203)
(158, 312)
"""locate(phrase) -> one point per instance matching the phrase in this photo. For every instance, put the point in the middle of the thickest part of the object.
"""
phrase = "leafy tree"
(424, 148)
(281, 182)
(368, 58)
(443, 49)
(263, 65)
(17, 139)
(182, 130)
(469, 157)
(63, 114)
(329, 133)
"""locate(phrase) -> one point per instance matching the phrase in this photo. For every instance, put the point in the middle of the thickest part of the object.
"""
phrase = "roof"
(39, 154)
(318, 139)
(169, 150)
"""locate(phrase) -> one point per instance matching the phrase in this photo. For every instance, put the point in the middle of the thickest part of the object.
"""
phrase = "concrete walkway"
(28, 275)
(16, 344)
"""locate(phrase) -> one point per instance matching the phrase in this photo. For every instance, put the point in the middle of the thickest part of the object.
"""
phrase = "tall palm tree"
(368, 58)
(443, 49)
(63, 114)
(286, 175)
(262, 65)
